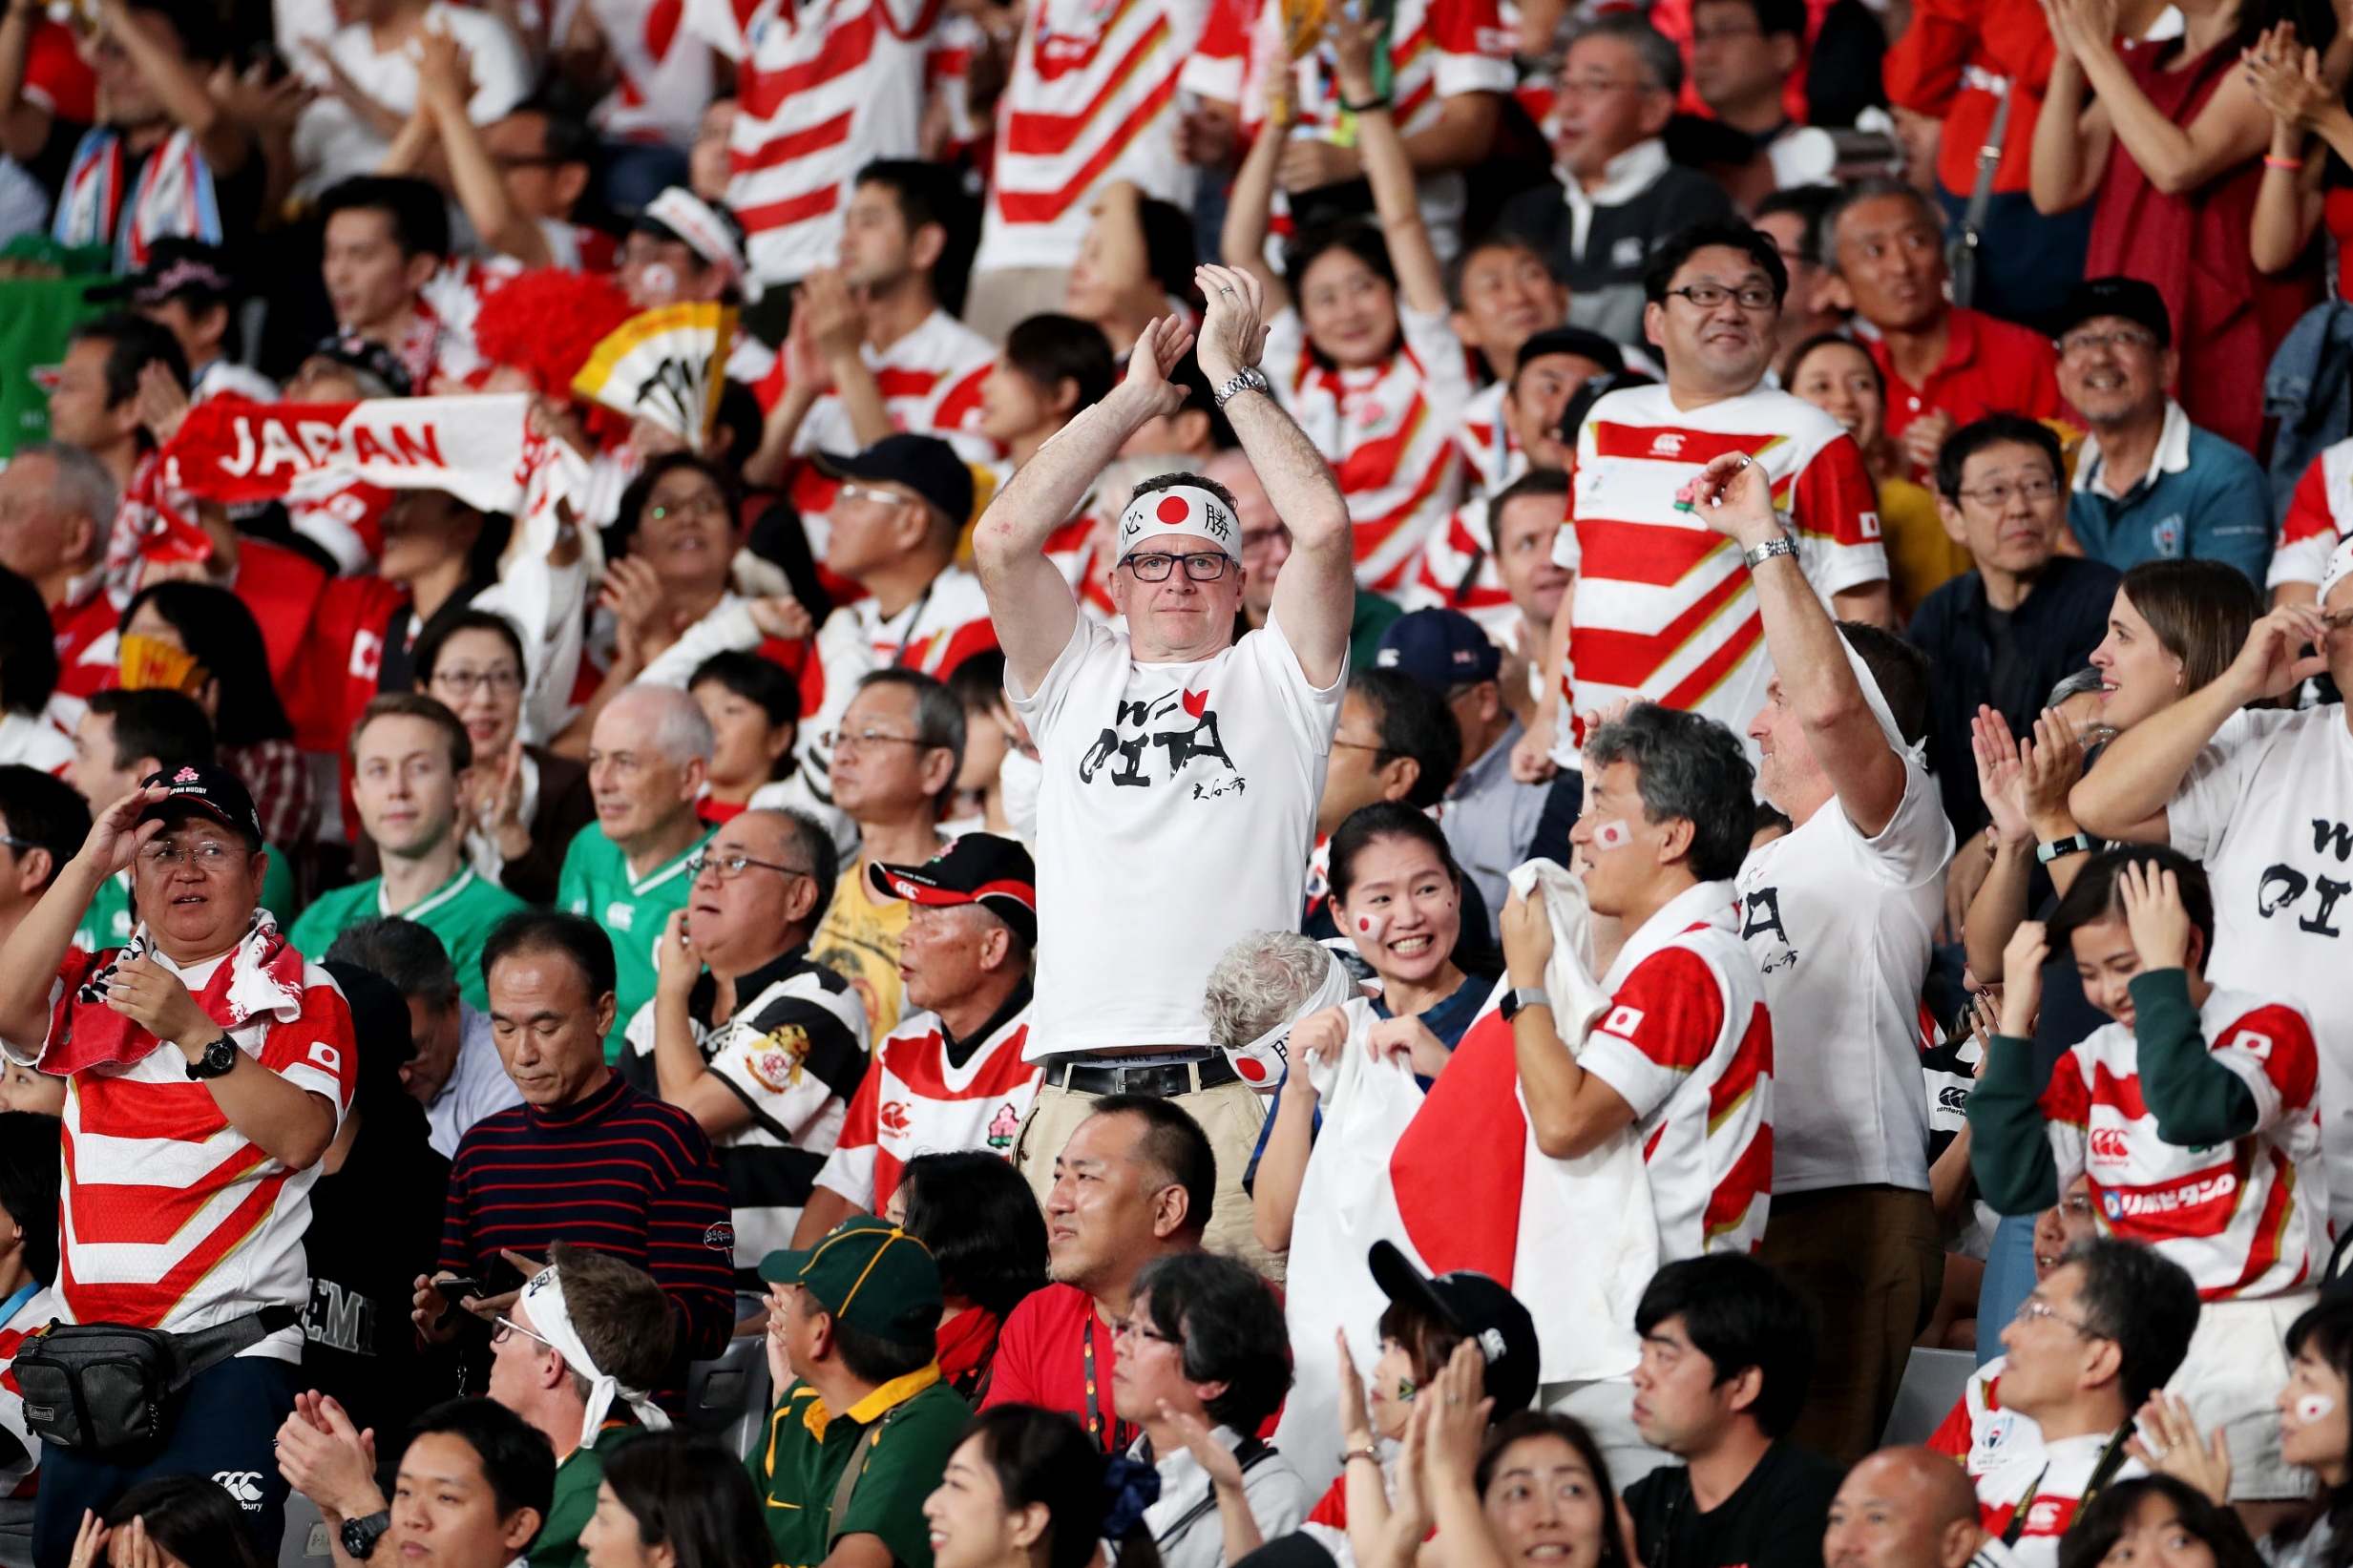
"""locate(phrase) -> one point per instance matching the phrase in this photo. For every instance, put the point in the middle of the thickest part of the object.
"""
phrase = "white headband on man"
(1262, 1061)
(551, 1322)
(2340, 567)
(1178, 509)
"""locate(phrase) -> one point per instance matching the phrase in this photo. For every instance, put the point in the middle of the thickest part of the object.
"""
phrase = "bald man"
(1903, 1508)
(647, 758)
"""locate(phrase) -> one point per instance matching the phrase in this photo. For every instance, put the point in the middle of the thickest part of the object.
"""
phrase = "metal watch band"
(1526, 996)
(1759, 554)
(1249, 378)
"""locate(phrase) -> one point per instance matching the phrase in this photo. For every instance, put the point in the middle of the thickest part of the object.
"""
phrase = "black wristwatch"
(360, 1535)
(218, 1058)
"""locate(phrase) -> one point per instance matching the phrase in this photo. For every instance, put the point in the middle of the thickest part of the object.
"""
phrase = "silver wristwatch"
(1249, 378)
(1757, 556)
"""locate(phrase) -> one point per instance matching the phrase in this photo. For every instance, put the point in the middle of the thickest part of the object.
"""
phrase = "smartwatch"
(217, 1059)
(1526, 996)
(361, 1535)
(2074, 843)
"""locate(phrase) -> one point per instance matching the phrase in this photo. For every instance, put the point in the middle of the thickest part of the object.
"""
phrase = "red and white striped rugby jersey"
(947, 80)
(1092, 99)
(1688, 1043)
(171, 1218)
(1487, 443)
(930, 381)
(1387, 430)
(1663, 610)
(20, 1477)
(1457, 571)
(913, 1100)
(2244, 1219)
(2320, 512)
(822, 90)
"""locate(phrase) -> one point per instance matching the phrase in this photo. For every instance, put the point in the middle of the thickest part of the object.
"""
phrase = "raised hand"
(2154, 916)
(117, 833)
(2168, 1442)
(1733, 495)
(2021, 977)
(2049, 768)
(2001, 774)
(1356, 1419)
(1232, 331)
(1159, 349)
(2270, 663)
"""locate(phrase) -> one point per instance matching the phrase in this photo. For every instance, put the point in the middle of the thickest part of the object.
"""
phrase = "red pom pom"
(546, 322)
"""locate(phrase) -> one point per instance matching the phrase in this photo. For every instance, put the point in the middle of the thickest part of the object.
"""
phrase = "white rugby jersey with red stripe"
(1092, 99)
(2244, 1219)
(929, 381)
(947, 80)
(2047, 1485)
(170, 1217)
(1663, 611)
(1688, 1043)
(822, 90)
(1980, 1431)
(2320, 512)
(20, 1475)
(1387, 430)
(1487, 443)
(914, 1101)
(1438, 49)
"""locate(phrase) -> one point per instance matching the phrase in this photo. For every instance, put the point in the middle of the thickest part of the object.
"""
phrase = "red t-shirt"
(1041, 1360)
(1990, 367)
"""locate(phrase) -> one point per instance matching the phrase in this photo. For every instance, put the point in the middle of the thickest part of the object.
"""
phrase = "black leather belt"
(1163, 1077)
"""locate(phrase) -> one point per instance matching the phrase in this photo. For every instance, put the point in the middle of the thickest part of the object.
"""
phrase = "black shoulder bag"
(100, 1389)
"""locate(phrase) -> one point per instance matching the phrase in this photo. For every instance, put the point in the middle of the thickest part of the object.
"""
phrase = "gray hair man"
(1187, 759)
(647, 758)
(456, 1073)
(56, 503)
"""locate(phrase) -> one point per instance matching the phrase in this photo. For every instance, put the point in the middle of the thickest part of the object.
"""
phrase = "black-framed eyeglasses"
(1998, 497)
(1749, 297)
(839, 740)
(2125, 337)
(731, 866)
(1200, 565)
(20, 846)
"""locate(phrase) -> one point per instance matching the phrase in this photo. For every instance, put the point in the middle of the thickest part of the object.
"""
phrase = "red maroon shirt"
(1042, 1361)
(1990, 368)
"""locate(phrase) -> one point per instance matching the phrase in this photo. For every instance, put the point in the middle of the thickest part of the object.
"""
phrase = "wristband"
(2077, 843)
(1368, 105)
(1349, 1457)
(2272, 161)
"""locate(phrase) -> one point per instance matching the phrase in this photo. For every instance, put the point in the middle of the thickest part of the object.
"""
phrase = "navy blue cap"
(1441, 649)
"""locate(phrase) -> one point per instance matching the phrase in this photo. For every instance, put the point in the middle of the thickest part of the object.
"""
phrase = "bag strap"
(208, 1348)
(1250, 1452)
(845, 1488)
(1981, 196)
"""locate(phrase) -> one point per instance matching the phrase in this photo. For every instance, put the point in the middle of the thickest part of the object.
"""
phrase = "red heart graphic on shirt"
(1196, 702)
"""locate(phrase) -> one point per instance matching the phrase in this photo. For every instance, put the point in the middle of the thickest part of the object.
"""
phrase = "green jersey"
(596, 881)
(557, 1544)
(462, 911)
(107, 923)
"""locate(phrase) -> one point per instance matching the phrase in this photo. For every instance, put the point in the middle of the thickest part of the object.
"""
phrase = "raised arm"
(29, 957)
(2126, 796)
(1421, 280)
(24, 125)
(2231, 127)
(178, 89)
(1249, 211)
(2287, 205)
(1029, 601)
(1315, 597)
(444, 87)
(1734, 497)
(2070, 143)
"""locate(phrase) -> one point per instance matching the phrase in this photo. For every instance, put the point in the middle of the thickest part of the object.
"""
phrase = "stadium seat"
(304, 1542)
(1932, 1381)
(728, 1395)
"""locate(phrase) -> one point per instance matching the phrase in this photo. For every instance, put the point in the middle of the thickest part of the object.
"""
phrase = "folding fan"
(667, 366)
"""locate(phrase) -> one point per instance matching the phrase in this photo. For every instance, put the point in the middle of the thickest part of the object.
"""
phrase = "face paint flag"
(1612, 834)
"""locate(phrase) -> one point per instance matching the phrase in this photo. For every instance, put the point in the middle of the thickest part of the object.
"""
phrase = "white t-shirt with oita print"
(2268, 808)
(1177, 810)
(1841, 925)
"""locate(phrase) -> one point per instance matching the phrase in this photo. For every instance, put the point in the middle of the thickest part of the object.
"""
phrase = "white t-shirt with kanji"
(1092, 100)
(1176, 812)
(1841, 927)
(1688, 1043)
(1663, 610)
(1387, 430)
(2242, 1218)
(914, 1101)
(2268, 808)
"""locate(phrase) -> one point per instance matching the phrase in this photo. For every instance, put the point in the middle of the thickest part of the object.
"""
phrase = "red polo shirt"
(1990, 368)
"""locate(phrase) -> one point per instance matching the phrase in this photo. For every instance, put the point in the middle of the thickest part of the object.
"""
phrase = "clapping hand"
(2287, 78)
(1159, 349)
(2168, 1442)
(2001, 774)
(2021, 977)
(1232, 331)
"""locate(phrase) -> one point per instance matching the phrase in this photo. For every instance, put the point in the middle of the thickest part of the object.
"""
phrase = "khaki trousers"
(1229, 1114)
(1869, 1263)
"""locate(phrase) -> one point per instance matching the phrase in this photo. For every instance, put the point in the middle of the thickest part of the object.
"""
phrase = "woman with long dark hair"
(981, 1220)
(193, 638)
(1027, 1488)
(681, 1495)
(2158, 1522)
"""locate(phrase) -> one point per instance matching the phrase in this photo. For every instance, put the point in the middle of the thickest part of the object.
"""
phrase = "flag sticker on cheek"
(2314, 1407)
(1372, 928)
(1612, 834)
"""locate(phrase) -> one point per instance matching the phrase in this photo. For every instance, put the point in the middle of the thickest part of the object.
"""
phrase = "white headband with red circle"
(1178, 509)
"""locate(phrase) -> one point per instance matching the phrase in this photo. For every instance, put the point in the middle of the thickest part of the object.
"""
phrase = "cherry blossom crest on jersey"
(1178, 509)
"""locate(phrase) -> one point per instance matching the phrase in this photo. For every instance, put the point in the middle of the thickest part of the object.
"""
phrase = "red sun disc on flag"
(1250, 1068)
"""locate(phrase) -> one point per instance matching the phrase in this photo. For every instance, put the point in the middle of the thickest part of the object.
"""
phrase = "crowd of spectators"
(985, 784)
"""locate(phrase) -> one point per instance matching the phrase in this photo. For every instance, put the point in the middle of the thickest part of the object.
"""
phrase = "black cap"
(369, 359)
(1479, 1309)
(209, 789)
(924, 464)
(2133, 298)
(176, 266)
(995, 873)
(1438, 648)
(1581, 342)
